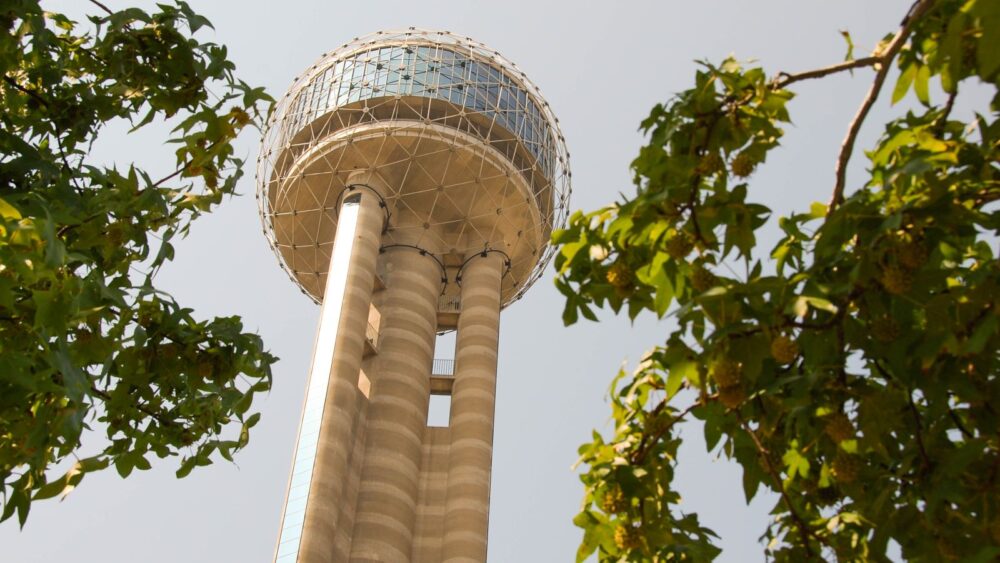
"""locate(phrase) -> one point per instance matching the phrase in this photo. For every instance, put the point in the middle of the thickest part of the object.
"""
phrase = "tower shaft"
(410, 182)
(334, 408)
(371, 480)
(473, 404)
(387, 503)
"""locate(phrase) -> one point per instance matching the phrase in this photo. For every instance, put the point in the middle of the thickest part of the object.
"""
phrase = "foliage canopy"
(854, 369)
(85, 335)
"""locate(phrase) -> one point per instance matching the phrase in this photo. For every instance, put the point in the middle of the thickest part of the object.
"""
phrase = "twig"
(186, 165)
(159, 418)
(645, 445)
(919, 433)
(804, 530)
(842, 360)
(884, 59)
(942, 119)
(103, 7)
(784, 79)
(958, 422)
(169, 177)
(37, 97)
(694, 198)
(913, 409)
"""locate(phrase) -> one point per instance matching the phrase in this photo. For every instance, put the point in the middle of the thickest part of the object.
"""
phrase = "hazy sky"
(601, 65)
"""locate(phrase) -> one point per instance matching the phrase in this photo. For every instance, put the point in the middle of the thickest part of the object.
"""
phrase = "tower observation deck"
(408, 182)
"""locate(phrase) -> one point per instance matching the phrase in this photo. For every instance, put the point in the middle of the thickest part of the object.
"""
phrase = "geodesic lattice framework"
(468, 155)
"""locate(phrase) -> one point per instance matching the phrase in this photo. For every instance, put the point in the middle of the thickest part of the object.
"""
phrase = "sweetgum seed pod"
(743, 165)
(884, 329)
(726, 372)
(846, 468)
(839, 428)
(702, 279)
(784, 350)
(627, 537)
(732, 396)
(912, 255)
(679, 246)
(619, 275)
(614, 501)
(896, 280)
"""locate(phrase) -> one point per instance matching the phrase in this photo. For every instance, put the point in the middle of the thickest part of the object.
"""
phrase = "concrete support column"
(329, 420)
(472, 406)
(386, 513)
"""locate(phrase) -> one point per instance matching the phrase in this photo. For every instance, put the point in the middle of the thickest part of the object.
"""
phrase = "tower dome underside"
(465, 154)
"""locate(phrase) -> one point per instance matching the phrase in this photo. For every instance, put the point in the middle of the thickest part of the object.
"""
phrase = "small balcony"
(447, 314)
(442, 376)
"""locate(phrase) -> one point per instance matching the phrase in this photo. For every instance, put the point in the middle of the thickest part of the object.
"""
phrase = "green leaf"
(186, 466)
(920, 84)
(795, 463)
(8, 211)
(679, 373)
(124, 465)
(569, 252)
(903, 83)
(849, 56)
(987, 55)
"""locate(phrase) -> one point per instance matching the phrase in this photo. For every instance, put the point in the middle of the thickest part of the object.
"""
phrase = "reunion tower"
(408, 182)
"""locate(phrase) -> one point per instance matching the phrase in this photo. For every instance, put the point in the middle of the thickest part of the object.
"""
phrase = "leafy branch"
(650, 439)
(883, 64)
(784, 79)
(70, 305)
(900, 282)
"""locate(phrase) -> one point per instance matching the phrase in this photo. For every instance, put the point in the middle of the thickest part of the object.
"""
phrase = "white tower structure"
(408, 182)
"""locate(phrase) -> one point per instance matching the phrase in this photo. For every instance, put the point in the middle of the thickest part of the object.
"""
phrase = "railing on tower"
(448, 310)
(442, 376)
(450, 305)
(443, 368)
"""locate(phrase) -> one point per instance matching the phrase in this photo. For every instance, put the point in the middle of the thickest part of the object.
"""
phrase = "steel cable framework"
(471, 152)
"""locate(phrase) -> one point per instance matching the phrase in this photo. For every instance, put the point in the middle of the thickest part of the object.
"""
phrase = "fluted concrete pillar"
(315, 498)
(386, 513)
(472, 406)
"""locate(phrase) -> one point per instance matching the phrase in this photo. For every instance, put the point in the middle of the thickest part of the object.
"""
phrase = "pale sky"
(602, 66)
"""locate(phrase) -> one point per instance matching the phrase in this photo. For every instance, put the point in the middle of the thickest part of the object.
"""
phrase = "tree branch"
(942, 120)
(784, 79)
(919, 433)
(804, 530)
(35, 95)
(885, 57)
(40, 99)
(103, 7)
(169, 177)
